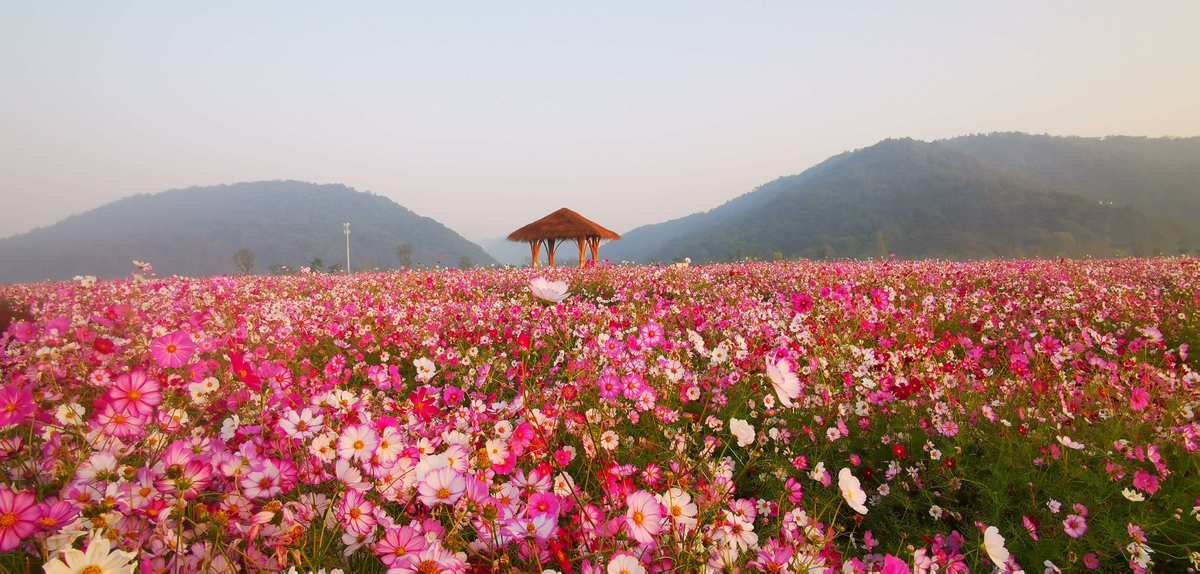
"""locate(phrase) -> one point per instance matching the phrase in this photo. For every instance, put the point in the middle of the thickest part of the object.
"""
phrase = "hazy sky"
(487, 115)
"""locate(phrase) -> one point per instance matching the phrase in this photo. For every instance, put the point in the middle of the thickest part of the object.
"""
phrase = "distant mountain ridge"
(196, 231)
(998, 195)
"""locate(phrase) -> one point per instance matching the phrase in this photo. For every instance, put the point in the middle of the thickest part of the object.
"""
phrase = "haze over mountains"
(998, 195)
(196, 231)
(980, 196)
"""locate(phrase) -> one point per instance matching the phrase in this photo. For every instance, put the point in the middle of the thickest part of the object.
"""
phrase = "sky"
(488, 115)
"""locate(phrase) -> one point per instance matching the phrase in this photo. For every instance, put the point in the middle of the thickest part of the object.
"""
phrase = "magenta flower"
(135, 393)
(16, 405)
(18, 517)
(172, 350)
(1145, 482)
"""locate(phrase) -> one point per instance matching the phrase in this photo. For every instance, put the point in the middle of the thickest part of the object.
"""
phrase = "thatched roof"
(562, 224)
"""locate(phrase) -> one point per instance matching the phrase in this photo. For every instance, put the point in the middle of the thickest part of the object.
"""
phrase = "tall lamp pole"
(346, 230)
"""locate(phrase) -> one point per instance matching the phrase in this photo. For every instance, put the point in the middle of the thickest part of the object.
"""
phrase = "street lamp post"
(346, 230)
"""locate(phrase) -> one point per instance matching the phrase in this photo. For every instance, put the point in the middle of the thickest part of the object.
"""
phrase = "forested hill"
(1000, 195)
(197, 231)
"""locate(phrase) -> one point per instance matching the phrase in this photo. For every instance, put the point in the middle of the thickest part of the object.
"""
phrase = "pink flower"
(644, 516)
(16, 405)
(1075, 525)
(54, 514)
(442, 486)
(119, 423)
(356, 513)
(1145, 482)
(18, 517)
(1139, 399)
(172, 350)
(135, 393)
(432, 560)
(400, 546)
(263, 482)
(893, 565)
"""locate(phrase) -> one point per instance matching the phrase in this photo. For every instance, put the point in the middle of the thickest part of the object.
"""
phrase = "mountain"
(196, 231)
(1000, 195)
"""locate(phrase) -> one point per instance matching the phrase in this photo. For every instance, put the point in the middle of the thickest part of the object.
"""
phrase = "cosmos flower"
(549, 291)
(643, 516)
(98, 558)
(172, 350)
(625, 564)
(357, 442)
(742, 431)
(442, 486)
(1074, 525)
(1069, 443)
(135, 393)
(18, 517)
(679, 507)
(852, 491)
(993, 545)
(425, 369)
(785, 382)
(16, 405)
(400, 546)
(302, 425)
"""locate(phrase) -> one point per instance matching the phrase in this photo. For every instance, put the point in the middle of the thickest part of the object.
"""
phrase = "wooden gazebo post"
(582, 259)
(551, 245)
(594, 243)
(534, 248)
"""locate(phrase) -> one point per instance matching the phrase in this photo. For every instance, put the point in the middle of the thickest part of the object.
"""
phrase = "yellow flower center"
(8, 519)
(358, 445)
(638, 517)
(443, 493)
(171, 348)
(93, 569)
(134, 395)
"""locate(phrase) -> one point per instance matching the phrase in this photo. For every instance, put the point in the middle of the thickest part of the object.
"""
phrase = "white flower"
(1132, 495)
(1069, 443)
(99, 558)
(497, 450)
(993, 544)
(425, 369)
(610, 440)
(69, 414)
(852, 491)
(229, 427)
(742, 430)
(786, 384)
(625, 564)
(680, 508)
(550, 291)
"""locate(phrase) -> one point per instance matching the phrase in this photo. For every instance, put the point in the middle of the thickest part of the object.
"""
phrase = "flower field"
(883, 416)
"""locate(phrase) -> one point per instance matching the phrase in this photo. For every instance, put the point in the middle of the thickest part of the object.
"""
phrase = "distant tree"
(404, 254)
(243, 261)
(317, 264)
(335, 268)
(465, 262)
(280, 270)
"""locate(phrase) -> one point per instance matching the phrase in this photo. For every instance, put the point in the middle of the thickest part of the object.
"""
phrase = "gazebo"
(563, 225)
